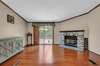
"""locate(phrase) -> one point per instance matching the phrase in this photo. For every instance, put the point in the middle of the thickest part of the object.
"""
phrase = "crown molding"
(80, 14)
(57, 21)
(13, 10)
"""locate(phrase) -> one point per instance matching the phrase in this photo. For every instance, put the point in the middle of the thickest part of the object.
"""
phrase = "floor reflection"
(48, 55)
(77, 57)
(45, 54)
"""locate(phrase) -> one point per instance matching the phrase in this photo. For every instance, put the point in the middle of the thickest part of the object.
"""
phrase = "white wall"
(94, 31)
(30, 30)
(89, 22)
(11, 30)
(79, 23)
(29, 27)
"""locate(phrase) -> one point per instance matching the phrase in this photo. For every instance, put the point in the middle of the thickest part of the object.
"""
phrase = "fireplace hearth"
(70, 41)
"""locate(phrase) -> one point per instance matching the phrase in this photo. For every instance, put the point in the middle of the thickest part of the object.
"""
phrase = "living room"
(71, 41)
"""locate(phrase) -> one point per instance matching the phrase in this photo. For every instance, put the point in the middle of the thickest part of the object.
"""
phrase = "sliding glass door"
(46, 34)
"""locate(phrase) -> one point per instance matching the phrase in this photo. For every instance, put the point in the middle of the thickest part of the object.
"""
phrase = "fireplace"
(70, 41)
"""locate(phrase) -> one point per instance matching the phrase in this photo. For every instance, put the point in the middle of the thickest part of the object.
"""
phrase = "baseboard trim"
(11, 57)
(94, 58)
(92, 62)
(29, 45)
(94, 53)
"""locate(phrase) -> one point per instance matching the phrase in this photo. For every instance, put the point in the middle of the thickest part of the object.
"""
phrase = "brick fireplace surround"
(72, 39)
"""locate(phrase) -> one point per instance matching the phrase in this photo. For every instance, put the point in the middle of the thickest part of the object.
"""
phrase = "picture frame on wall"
(10, 19)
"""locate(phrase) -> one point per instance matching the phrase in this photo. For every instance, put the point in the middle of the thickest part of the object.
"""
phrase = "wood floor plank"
(49, 55)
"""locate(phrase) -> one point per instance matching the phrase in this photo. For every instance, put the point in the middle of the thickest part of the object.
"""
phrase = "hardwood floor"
(48, 55)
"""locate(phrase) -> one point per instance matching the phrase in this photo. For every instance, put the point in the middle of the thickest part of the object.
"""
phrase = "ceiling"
(50, 10)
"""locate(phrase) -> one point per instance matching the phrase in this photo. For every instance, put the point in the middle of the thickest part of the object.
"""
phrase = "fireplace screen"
(70, 41)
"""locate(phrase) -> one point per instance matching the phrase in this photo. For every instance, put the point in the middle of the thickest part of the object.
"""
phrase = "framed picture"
(10, 19)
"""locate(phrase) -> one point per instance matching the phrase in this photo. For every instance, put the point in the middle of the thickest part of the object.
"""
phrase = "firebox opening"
(70, 41)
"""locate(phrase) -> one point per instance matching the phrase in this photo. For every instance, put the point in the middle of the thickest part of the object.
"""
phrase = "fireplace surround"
(72, 39)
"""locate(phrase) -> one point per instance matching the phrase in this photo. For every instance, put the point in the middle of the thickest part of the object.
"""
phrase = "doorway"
(43, 34)
(36, 35)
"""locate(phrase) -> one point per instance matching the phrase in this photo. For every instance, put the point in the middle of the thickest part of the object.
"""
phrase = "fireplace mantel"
(73, 31)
